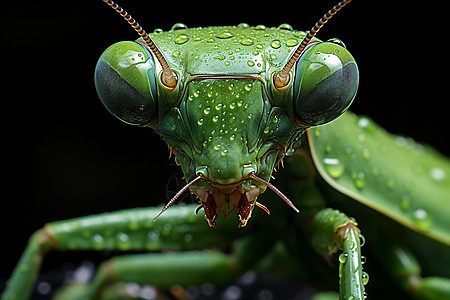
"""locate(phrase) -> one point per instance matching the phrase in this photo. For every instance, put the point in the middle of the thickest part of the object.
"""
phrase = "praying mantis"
(222, 196)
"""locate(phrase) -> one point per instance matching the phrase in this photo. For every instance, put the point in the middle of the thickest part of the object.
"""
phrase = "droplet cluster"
(129, 229)
(388, 171)
(229, 48)
(220, 113)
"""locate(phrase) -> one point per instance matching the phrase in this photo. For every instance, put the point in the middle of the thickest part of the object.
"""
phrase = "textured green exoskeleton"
(225, 120)
(232, 103)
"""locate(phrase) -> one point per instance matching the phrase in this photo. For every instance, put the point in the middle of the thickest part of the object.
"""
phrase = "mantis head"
(229, 117)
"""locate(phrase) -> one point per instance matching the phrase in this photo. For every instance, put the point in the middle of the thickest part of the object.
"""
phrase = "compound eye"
(325, 83)
(125, 80)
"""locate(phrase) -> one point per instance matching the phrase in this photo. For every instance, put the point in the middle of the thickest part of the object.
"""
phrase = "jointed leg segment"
(405, 269)
(335, 231)
(131, 229)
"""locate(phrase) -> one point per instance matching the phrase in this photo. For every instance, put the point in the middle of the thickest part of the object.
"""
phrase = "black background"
(64, 155)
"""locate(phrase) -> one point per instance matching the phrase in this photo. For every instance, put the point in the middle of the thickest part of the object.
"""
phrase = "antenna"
(167, 77)
(281, 79)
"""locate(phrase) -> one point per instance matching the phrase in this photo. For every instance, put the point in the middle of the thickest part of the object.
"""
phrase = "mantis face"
(229, 111)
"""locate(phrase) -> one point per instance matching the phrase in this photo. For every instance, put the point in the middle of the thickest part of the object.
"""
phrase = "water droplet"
(400, 141)
(243, 25)
(216, 147)
(291, 42)
(232, 137)
(173, 127)
(248, 87)
(275, 44)
(188, 238)
(250, 63)
(359, 180)
(363, 122)
(123, 241)
(224, 152)
(363, 259)
(181, 39)
(247, 42)
(166, 230)
(260, 27)
(343, 258)
(438, 174)
(365, 278)
(176, 53)
(179, 26)
(43, 288)
(405, 203)
(285, 26)
(153, 236)
(200, 122)
(215, 118)
(334, 167)
(422, 219)
(390, 183)
(225, 35)
(366, 153)
(98, 242)
(232, 292)
(362, 240)
(207, 110)
(273, 56)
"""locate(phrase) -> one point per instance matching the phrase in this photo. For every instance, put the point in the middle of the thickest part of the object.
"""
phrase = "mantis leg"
(405, 269)
(333, 230)
(159, 269)
(133, 229)
(180, 268)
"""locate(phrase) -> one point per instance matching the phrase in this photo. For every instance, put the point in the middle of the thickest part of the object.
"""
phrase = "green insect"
(232, 104)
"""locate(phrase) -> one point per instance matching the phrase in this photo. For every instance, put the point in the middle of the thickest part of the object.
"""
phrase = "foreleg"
(133, 229)
(335, 231)
(404, 268)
